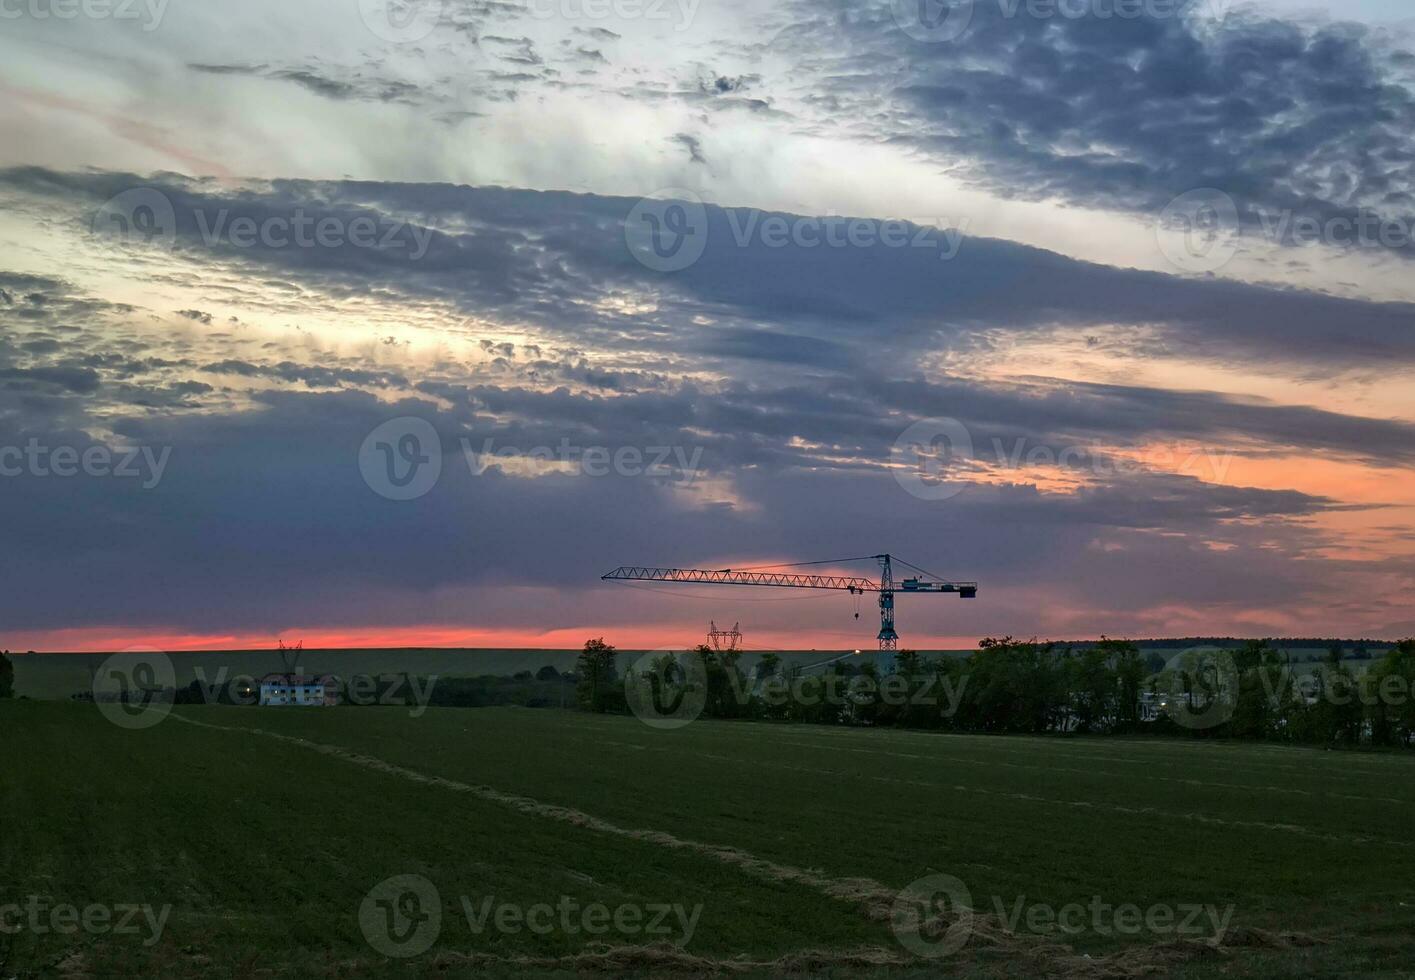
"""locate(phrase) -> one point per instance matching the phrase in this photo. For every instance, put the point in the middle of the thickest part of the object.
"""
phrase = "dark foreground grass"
(266, 848)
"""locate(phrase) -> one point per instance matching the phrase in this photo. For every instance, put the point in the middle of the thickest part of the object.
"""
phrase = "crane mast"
(886, 586)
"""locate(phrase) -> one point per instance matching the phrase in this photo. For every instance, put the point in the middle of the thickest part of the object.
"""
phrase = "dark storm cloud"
(1128, 113)
(550, 257)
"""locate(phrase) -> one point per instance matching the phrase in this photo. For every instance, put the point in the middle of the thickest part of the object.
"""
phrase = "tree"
(768, 666)
(724, 682)
(7, 677)
(1130, 677)
(597, 675)
(1337, 714)
(1266, 693)
(1019, 687)
(1093, 688)
(1389, 687)
(908, 663)
(548, 673)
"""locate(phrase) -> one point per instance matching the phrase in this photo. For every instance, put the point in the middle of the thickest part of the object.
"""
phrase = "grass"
(266, 848)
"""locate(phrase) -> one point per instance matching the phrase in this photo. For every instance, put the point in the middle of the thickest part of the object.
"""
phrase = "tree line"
(1007, 686)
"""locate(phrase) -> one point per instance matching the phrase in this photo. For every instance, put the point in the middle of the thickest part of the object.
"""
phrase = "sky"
(400, 322)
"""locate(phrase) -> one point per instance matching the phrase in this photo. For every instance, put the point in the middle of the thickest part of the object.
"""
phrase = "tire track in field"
(877, 901)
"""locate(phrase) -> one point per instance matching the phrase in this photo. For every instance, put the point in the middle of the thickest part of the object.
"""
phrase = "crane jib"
(639, 573)
(886, 586)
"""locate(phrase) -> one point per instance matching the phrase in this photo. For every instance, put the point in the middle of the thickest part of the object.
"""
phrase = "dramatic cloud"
(210, 349)
(1131, 112)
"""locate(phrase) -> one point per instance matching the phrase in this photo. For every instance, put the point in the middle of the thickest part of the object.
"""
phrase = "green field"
(266, 833)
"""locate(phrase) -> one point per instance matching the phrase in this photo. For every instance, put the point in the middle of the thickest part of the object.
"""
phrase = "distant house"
(292, 690)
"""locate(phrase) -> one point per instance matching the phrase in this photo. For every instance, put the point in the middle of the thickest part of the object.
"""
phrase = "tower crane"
(771, 577)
